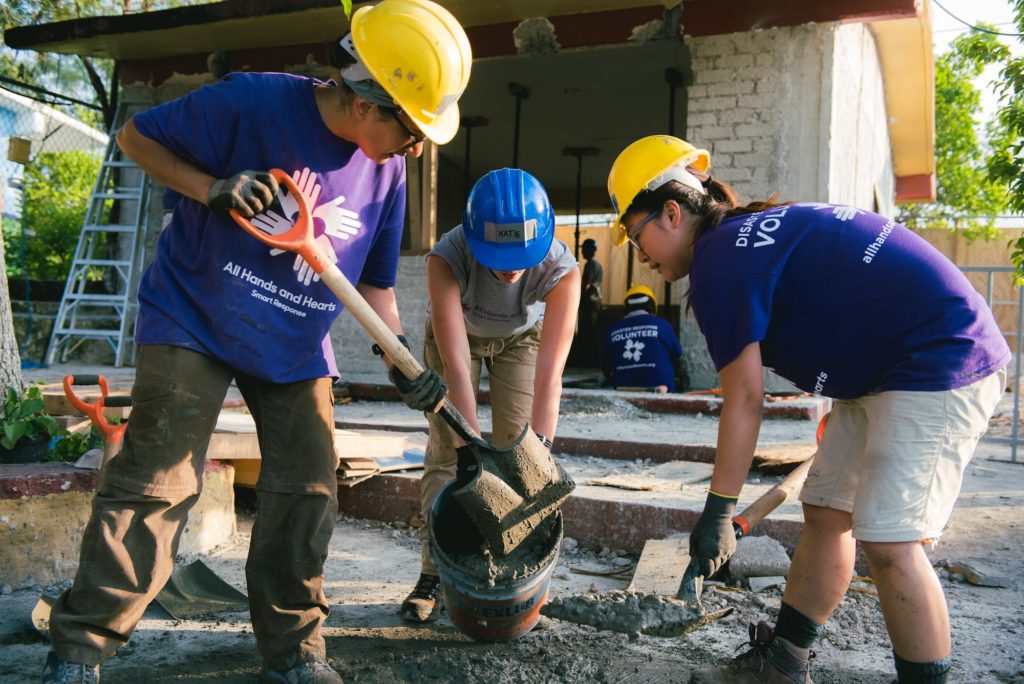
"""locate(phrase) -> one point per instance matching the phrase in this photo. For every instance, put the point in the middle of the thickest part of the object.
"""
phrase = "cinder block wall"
(352, 344)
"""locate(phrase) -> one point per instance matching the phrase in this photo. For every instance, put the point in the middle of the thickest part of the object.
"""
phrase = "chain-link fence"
(47, 173)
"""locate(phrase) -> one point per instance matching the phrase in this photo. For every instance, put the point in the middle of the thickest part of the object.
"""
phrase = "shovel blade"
(515, 489)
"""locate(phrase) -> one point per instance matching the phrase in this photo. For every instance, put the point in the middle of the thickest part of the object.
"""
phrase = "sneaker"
(57, 671)
(424, 604)
(770, 660)
(313, 672)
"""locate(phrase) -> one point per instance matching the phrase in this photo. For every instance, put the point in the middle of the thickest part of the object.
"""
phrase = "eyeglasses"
(633, 234)
(407, 125)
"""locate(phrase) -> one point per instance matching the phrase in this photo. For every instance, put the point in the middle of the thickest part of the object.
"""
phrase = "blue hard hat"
(508, 220)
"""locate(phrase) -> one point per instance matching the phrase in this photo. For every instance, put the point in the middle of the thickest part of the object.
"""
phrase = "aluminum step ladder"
(99, 300)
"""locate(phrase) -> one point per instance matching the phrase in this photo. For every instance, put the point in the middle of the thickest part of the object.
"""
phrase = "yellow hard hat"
(642, 166)
(640, 290)
(420, 55)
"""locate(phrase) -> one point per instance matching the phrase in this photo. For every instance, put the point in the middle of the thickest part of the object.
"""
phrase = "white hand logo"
(338, 222)
(273, 223)
(846, 213)
(843, 212)
(634, 350)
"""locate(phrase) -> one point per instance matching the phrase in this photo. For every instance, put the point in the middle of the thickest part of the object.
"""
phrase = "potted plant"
(26, 428)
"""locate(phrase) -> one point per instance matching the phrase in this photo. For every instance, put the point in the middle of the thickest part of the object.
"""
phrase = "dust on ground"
(373, 565)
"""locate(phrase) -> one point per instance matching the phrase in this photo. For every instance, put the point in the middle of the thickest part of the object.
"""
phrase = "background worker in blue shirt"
(641, 351)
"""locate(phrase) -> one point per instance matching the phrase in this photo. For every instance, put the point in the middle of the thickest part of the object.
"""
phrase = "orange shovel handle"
(298, 238)
(94, 410)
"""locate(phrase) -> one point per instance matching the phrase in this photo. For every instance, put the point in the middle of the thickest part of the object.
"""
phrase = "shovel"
(191, 590)
(516, 487)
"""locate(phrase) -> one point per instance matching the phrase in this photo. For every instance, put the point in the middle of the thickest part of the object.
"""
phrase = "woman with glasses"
(217, 306)
(504, 294)
(845, 304)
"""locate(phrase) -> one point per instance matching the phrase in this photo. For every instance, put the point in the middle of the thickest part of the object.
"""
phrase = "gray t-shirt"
(494, 309)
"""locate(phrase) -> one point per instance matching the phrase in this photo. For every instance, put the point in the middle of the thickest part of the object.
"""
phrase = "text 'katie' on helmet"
(637, 294)
(508, 221)
(640, 167)
(420, 55)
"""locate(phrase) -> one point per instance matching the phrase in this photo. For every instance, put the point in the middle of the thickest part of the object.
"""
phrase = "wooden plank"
(55, 402)
(661, 566)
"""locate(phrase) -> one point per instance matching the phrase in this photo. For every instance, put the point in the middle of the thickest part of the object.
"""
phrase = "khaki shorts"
(895, 460)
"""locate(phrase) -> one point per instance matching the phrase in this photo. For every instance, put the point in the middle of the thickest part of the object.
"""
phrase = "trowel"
(641, 611)
(515, 488)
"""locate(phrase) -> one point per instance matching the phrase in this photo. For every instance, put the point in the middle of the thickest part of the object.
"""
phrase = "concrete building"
(825, 101)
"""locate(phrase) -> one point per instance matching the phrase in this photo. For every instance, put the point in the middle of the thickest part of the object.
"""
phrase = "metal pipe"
(579, 153)
(469, 123)
(520, 92)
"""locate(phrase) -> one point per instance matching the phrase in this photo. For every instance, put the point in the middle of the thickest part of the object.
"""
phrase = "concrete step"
(784, 407)
(599, 513)
(611, 427)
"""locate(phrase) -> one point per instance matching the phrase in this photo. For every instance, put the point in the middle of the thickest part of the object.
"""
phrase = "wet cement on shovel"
(632, 613)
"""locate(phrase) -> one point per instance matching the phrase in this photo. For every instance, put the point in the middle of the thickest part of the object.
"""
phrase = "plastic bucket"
(499, 611)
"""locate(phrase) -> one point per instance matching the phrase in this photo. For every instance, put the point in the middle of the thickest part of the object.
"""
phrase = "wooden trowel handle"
(753, 514)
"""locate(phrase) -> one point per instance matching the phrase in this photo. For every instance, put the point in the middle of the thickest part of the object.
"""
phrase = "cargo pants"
(146, 491)
(511, 363)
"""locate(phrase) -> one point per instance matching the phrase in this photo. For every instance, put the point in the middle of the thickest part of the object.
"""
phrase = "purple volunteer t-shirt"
(843, 301)
(641, 350)
(215, 289)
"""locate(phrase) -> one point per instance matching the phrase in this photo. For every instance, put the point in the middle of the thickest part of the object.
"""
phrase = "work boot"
(770, 660)
(313, 672)
(424, 603)
(57, 671)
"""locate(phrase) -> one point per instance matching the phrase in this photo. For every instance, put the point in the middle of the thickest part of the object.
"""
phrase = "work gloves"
(713, 540)
(421, 394)
(248, 192)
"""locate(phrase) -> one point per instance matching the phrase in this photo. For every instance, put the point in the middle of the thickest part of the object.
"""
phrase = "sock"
(795, 627)
(921, 673)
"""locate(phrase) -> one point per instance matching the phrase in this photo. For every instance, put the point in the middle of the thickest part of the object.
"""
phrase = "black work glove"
(423, 393)
(713, 540)
(468, 467)
(249, 192)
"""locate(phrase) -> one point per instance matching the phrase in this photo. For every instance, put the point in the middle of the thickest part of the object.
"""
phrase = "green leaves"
(56, 194)
(347, 6)
(24, 416)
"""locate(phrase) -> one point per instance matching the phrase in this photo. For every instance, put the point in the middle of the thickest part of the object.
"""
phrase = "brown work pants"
(511, 363)
(146, 491)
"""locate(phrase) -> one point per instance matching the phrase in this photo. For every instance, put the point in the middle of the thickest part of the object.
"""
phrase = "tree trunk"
(10, 359)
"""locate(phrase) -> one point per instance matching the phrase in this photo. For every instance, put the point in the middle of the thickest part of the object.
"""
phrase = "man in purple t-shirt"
(216, 306)
(845, 304)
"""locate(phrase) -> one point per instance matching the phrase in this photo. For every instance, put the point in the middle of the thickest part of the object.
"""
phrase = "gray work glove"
(249, 192)
(423, 393)
(713, 539)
